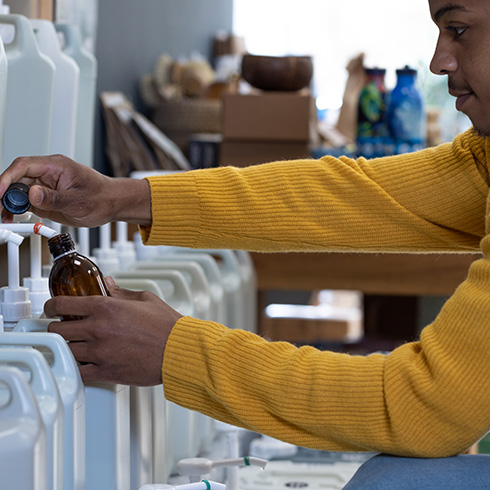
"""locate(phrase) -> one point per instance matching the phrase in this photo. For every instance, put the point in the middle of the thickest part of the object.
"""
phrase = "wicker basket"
(180, 119)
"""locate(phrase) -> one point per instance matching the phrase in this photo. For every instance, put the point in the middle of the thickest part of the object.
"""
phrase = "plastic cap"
(16, 198)
(38, 293)
(15, 304)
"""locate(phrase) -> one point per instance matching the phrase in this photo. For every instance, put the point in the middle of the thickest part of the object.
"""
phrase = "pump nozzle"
(194, 468)
(203, 485)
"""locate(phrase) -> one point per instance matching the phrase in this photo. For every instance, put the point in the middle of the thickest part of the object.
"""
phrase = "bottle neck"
(61, 245)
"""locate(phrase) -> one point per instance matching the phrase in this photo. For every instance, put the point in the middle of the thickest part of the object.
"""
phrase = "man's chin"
(480, 131)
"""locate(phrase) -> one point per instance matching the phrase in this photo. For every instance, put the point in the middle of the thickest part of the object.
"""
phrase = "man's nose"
(443, 62)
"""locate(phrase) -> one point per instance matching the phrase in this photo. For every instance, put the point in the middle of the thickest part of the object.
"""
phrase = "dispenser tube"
(37, 228)
(36, 254)
(14, 240)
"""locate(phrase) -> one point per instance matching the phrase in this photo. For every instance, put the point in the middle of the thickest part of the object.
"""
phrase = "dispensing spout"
(195, 467)
(13, 240)
(203, 485)
(37, 228)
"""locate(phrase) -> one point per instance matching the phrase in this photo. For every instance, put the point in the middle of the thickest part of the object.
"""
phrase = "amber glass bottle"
(73, 274)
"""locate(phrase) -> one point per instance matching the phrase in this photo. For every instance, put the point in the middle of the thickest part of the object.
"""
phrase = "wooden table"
(385, 274)
(392, 282)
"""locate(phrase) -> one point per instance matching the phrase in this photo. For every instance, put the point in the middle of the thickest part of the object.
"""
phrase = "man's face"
(463, 54)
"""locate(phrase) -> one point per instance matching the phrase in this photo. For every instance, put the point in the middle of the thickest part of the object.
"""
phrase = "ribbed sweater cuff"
(172, 220)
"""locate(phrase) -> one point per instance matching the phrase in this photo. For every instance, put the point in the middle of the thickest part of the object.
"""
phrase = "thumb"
(118, 292)
(44, 198)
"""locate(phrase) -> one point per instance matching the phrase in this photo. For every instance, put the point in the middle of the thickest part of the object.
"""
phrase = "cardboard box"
(268, 116)
(245, 153)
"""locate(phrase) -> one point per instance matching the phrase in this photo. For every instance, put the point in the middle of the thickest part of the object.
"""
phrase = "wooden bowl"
(277, 72)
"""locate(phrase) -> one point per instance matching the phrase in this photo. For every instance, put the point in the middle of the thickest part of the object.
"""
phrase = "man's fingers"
(90, 373)
(66, 306)
(73, 331)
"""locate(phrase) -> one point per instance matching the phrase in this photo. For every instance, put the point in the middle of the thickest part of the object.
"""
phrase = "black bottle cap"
(16, 198)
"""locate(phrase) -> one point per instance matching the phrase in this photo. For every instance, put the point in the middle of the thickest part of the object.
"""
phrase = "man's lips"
(461, 98)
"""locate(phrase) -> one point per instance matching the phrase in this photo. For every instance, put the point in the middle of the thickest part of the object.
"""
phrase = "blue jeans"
(382, 472)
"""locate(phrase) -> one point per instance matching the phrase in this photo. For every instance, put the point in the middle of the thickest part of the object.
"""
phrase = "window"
(391, 33)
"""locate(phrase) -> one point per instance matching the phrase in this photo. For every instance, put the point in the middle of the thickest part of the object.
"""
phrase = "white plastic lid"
(4, 9)
(15, 304)
(38, 293)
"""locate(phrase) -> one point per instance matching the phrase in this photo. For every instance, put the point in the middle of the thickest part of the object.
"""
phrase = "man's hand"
(76, 195)
(121, 338)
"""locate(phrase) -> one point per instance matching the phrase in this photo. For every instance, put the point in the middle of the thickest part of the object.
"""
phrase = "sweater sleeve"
(426, 399)
(430, 201)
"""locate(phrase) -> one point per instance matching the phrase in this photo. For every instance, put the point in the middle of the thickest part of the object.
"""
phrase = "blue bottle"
(372, 124)
(406, 113)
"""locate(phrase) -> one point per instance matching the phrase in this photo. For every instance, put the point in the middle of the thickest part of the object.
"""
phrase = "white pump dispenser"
(124, 247)
(14, 299)
(105, 256)
(29, 300)
(204, 485)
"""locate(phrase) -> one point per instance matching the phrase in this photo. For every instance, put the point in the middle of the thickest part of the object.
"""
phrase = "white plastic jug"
(232, 284)
(36, 369)
(249, 279)
(212, 273)
(66, 86)
(71, 388)
(30, 91)
(195, 277)
(22, 434)
(161, 424)
(142, 436)
(184, 425)
(107, 452)
(73, 47)
(3, 98)
(172, 284)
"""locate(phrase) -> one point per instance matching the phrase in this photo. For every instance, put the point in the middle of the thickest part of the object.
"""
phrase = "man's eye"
(457, 31)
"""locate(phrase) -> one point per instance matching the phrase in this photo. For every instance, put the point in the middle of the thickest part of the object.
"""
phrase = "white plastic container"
(66, 86)
(71, 389)
(107, 452)
(211, 272)
(36, 369)
(30, 91)
(181, 427)
(3, 98)
(22, 434)
(172, 284)
(195, 277)
(125, 248)
(73, 47)
(229, 267)
(249, 280)
(162, 458)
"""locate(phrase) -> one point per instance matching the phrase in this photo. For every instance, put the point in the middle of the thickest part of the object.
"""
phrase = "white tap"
(203, 485)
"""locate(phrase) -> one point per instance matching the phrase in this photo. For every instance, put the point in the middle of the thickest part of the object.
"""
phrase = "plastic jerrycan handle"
(72, 40)
(22, 400)
(181, 293)
(42, 381)
(64, 364)
(199, 282)
(24, 39)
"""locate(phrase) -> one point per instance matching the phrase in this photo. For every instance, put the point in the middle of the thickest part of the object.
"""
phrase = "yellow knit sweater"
(428, 398)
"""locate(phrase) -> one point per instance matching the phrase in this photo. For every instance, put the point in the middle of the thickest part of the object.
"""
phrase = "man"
(427, 399)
